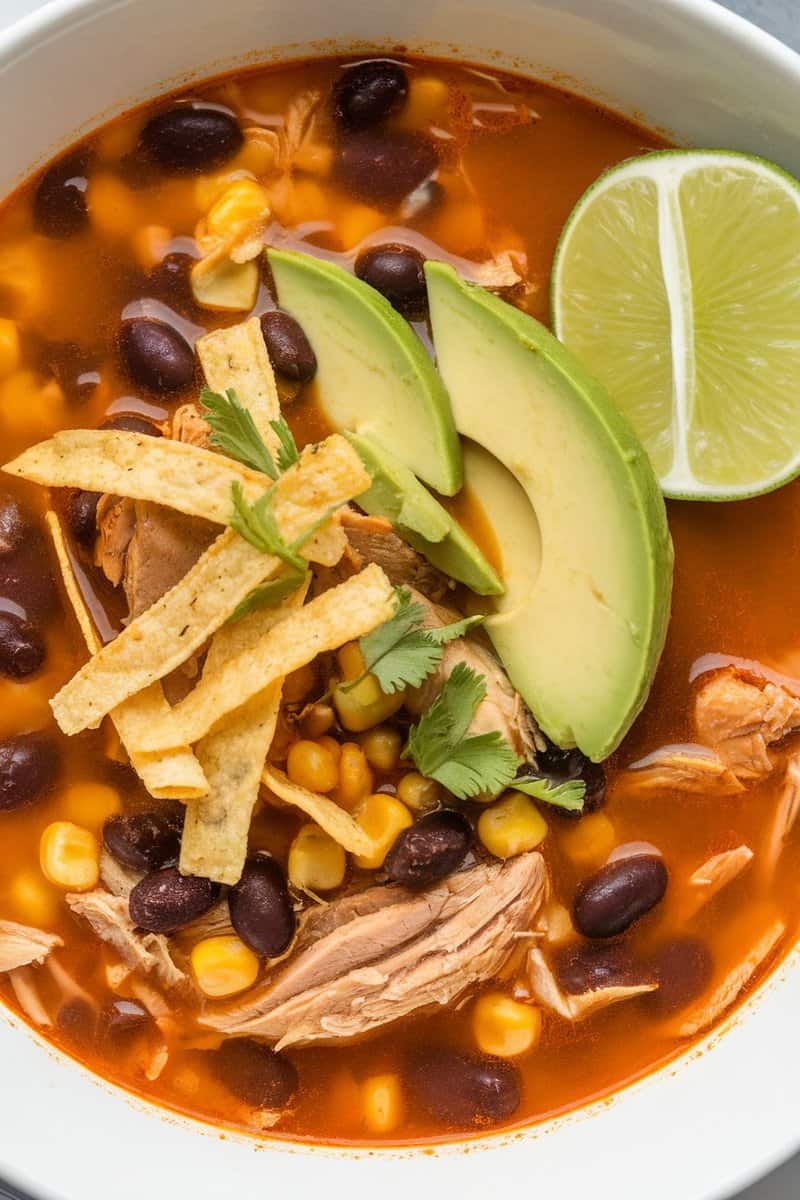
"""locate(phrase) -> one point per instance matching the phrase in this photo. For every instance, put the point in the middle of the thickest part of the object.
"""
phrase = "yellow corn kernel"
(312, 766)
(355, 776)
(35, 901)
(117, 140)
(351, 661)
(30, 408)
(113, 207)
(383, 818)
(314, 158)
(363, 706)
(382, 747)
(589, 841)
(316, 862)
(22, 277)
(426, 104)
(299, 683)
(306, 202)
(9, 347)
(419, 793)
(90, 804)
(70, 856)
(258, 154)
(332, 746)
(151, 245)
(505, 1027)
(317, 720)
(461, 227)
(224, 966)
(382, 1103)
(356, 222)
(556, 922)
(241, 204)
(511, 826)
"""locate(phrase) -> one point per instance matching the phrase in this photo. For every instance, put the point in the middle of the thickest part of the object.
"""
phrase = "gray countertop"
(781, 18)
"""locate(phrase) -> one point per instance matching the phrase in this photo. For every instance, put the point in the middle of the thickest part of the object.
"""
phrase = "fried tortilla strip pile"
(178, 624)
(343, 614)
(176, 774)
(214, 842)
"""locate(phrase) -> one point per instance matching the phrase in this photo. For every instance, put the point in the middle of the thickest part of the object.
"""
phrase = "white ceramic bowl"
(713, 1121)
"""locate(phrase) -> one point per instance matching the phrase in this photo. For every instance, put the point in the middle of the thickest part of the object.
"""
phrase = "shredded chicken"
(502, 708)
(711, 1007)
(546, 991)
(786, 815)
(372, 539)
(116, 521)
(692, 769)
(145, 952)
(21, 945)
(740, 716)
(119, 880)
(188, 425)
(714, 874)
(387, 952)
(24, 986)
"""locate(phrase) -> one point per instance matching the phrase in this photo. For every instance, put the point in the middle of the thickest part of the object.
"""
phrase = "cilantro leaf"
(401, 653)
(288, 454)
(233, 431)
(441, 750)
(256, 524)
(269, 595)
(568, 795)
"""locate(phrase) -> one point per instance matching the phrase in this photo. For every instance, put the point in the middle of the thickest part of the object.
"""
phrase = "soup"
(394, 961)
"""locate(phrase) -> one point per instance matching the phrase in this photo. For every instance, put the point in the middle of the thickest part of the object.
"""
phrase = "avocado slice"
(588, 563)
(374, 375)
(421, 520)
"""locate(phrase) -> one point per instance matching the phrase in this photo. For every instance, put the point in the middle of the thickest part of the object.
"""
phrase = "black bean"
(191, 138)
(382, 168)
(77, 1019)
(397, 273)
(682, 968)
(131, 423)
(288, 347)
(28, 767)
(21, 648)
(369, 92)
(144, 841)
(123, 1020)
(59, 204)
(464, 1089)
(254, 1073)
(261, 907)
(432, 848)
(82, 515)
(169, 281)
(586, 967)
(155, 355)
(618, 895)
(165, 900)
(13, 525)
(26, 577)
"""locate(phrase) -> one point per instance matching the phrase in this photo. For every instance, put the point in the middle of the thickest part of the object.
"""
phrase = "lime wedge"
(677, 282)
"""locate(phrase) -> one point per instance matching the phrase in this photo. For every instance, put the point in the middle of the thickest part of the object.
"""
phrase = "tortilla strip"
(342, 614)
(192, 480)
(335, 821)
(178, 624)
(237, 358)
(174, 775)
(215, 829)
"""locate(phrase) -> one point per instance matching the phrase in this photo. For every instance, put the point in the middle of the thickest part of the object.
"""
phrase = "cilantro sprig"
(568, 795)
(401, 653)
(441, 749)
(270, 594)
(234, 432)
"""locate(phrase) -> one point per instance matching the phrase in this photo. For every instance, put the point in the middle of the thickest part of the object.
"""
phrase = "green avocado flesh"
(374, 376)
(587, 561)
(421, 520)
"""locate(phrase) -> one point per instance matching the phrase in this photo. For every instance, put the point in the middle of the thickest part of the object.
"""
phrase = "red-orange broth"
(515, 157)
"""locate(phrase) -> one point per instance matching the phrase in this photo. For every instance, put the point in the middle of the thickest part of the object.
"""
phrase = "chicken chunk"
(21, 945)
(740, 716)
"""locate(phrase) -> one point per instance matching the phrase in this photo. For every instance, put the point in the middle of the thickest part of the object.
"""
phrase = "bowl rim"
(47, 22)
